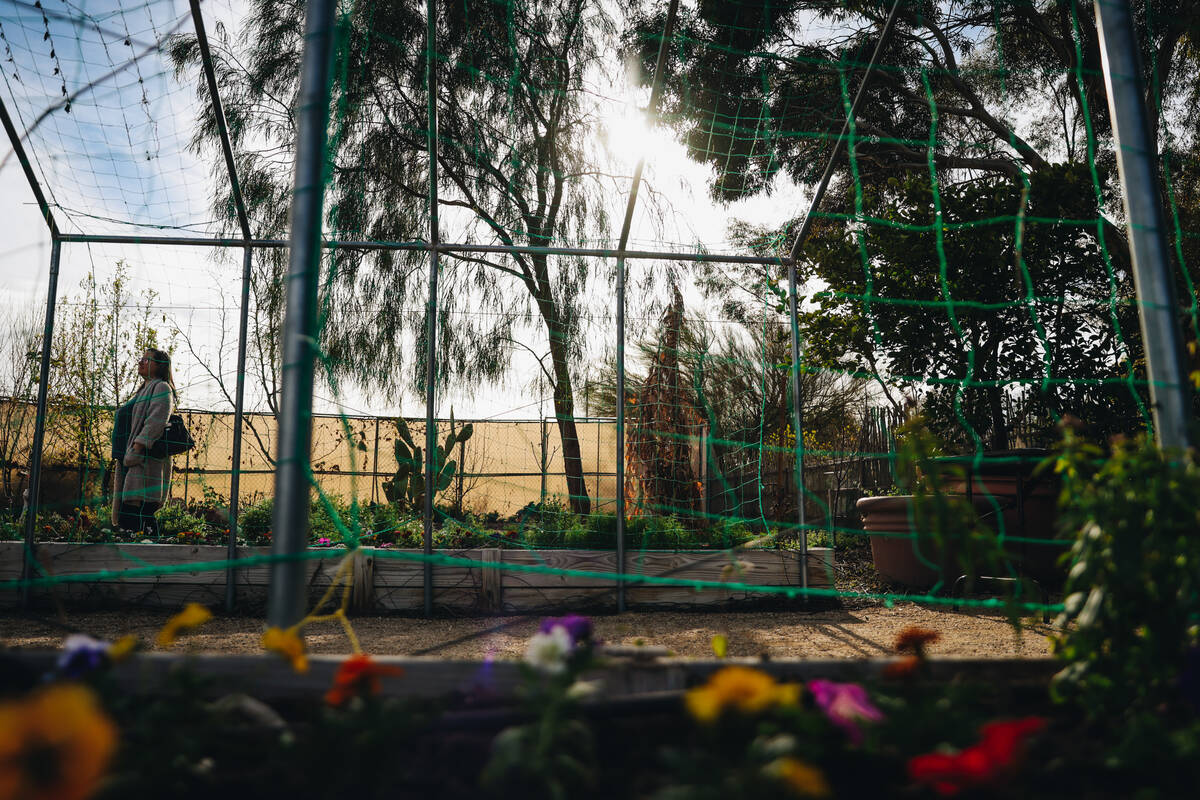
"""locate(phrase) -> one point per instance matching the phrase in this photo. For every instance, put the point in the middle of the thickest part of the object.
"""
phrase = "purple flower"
(324, 540)
(579, 628)
(82, 655)
(845, 705)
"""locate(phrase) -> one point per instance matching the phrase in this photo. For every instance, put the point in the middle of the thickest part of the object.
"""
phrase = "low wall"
(391, 580)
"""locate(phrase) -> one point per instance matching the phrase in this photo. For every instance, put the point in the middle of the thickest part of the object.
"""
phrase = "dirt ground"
(853, 632)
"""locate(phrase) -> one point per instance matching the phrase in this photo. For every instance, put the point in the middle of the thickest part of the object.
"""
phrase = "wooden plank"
(82, 559)
(760, 567)
(270, 678)
(391, 583)
(493, 581)
(362, 593)
(414, 599)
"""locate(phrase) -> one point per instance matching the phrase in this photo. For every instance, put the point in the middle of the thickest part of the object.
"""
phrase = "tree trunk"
(999, 438)
(564, 413)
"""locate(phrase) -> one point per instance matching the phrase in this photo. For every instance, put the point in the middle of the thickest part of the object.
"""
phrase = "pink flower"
(845, 705)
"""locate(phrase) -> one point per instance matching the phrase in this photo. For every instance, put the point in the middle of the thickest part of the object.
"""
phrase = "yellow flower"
(193, 615)
(748, 690)
(720, 645)
(288, 644)
(803, 779)
(122, 647)
(54, 745)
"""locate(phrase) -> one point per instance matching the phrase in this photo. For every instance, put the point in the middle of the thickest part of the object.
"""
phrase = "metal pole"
(431, 309)
(793, 310)
(39, 426)
(375, 466)
(235, 480)
(655, 94)
(337, 244)
(542, 498)
(1137, 162)
(214, 99)
(15, 140)
(798, 422)
(292, 477)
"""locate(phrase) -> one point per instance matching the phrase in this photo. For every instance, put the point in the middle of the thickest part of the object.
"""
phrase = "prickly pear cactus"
(406, 488)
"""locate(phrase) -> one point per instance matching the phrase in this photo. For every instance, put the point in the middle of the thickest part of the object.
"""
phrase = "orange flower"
(193, 615)
(358, 673)
(54, 745)
(914, 638)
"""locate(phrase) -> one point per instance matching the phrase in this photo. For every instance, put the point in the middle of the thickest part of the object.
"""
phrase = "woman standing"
(143, 481)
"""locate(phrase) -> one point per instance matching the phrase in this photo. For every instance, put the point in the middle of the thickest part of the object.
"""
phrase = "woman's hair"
(160, 366)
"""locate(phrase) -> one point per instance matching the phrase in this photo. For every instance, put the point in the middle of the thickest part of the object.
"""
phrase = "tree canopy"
(517, 167)
(997, 110)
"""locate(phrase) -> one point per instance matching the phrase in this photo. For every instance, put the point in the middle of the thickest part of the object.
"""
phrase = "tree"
(1021, 115)
(102, 332)
(1029, 317)
(663, 418)
(20, 337)
(737, 383)
(263, 367)
(517, 167)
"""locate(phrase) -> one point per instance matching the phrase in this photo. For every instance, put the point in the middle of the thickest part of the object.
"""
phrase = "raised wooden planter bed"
(387, 581)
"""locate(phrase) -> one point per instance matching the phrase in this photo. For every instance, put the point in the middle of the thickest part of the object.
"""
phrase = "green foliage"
(996, 334)
(174, 519)
(1133, 595)
(407, 487)
(256, 522)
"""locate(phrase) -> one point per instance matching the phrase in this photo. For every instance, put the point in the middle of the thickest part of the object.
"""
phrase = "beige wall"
(503, 458)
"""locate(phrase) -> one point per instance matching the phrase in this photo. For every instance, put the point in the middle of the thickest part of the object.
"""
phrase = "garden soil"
(859, 631)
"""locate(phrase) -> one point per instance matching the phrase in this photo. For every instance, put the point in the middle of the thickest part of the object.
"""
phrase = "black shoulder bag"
(175, 438)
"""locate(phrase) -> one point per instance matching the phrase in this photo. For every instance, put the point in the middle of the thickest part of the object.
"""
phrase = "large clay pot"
(894, 543)
(1028, 504)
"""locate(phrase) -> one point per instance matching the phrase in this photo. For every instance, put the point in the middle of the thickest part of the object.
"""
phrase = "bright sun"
(627, 137)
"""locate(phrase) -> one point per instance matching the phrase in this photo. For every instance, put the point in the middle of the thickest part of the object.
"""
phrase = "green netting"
(966, 286)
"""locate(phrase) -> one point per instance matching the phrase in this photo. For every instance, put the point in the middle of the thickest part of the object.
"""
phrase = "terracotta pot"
(1034, 517)
(894, 543)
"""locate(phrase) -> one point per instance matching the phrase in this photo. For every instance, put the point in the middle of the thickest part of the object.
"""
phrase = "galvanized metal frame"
(28, 564)
(431, 143)
(235, 188)
(292, 478)
(1137, 163)
(441, 247)
(652, 110)
(793, 310)
(1168, 385)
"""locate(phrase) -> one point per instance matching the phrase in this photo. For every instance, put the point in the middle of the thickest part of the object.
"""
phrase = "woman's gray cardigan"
(147, 479)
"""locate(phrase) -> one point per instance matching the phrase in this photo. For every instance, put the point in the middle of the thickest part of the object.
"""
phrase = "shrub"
(256, 521)
(174, 519)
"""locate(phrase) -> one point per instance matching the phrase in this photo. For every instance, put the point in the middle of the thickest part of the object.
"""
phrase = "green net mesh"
(965, 288)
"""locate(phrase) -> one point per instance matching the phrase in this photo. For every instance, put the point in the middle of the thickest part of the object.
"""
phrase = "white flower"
(582, 690)
(548, 651)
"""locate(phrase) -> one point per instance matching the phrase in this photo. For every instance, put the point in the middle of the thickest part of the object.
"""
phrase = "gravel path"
(859, 632)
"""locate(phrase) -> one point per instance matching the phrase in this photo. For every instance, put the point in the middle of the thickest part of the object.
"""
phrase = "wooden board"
(489, 580)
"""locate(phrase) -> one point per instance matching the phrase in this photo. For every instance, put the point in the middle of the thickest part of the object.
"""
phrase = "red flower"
(358, 673)
(1000, 746)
